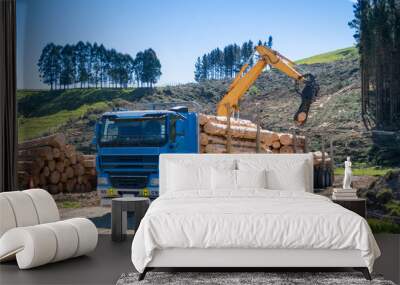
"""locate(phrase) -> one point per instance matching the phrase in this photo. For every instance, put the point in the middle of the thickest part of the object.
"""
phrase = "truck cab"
(128, 146)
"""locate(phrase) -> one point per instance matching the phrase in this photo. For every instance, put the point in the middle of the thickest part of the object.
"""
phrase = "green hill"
(41, 112)
(340, 54)
(42, 125)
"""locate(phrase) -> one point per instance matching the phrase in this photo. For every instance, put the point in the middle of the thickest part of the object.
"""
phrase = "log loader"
(247, 76)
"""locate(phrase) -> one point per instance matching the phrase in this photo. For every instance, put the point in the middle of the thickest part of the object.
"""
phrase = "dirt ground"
(88, 204)
(76, 200)
(358, 181)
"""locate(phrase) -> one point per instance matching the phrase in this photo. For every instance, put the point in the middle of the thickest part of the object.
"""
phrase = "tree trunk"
(56, 140)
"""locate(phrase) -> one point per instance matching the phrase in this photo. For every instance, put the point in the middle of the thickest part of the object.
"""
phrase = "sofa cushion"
(87, 235)
(23, 208)
(67, 240)
(7, 218)
(46, 207)
(26, 208)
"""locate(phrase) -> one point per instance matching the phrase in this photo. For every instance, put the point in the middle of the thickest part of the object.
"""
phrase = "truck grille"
(148, 163)
(129, 182)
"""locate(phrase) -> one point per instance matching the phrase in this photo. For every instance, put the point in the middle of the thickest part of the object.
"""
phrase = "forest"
(92, 65)
(377, 32)
(226, 62)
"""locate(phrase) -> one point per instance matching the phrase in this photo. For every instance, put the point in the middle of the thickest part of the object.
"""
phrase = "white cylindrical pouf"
(23, 207)
(87, 234)
(67, 239)
(45, 205)
(34, 246)
(7, 218)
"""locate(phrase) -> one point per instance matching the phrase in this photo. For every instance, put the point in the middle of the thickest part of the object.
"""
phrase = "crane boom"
(243, 82)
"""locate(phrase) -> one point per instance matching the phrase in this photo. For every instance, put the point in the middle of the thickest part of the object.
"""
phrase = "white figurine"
(347, 174)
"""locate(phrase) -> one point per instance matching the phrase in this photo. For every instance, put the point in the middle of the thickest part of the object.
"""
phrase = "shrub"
(395, 212)
(93, 118)
(70, 204)
(384, 195)
(383, 226)
(371, 195)
(393, 208)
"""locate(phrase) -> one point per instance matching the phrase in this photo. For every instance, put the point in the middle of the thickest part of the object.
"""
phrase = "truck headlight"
(102, 180)
(154, 181)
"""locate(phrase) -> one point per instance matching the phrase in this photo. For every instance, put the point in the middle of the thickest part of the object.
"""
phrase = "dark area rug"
(273, 278)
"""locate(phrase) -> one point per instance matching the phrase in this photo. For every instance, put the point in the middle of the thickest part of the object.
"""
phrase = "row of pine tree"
(226, 62)
(91, 65)
(377, 26)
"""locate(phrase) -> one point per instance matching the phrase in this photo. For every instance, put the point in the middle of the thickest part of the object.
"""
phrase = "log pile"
(51, 164)
(242, 134)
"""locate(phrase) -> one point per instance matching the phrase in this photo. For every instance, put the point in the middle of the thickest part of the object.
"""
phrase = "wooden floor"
(110, 260)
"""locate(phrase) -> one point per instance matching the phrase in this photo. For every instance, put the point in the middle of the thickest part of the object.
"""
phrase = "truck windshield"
(143, 132)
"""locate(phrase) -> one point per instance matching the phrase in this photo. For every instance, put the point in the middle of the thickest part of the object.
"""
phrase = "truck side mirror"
(177, 126)
(177, 129)
(180, 128)
(93, 145)
(97, 130)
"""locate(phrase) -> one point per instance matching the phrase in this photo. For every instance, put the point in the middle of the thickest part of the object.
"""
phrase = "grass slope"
(383, 226)
(340, 54)
(365, 171)
(38, 126)
(44, 102)
(42, 111)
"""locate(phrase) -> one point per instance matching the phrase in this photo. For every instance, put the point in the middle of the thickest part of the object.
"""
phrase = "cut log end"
(301, 117)
(51, 164)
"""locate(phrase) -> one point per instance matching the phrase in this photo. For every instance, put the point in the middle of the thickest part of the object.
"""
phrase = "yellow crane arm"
(242, 82)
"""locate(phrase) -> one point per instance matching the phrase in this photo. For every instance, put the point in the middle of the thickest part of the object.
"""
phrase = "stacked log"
(215, 133)
(49, 163)
(243, 137)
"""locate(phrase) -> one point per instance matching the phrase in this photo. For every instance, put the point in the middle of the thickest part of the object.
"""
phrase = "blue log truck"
(129, 143)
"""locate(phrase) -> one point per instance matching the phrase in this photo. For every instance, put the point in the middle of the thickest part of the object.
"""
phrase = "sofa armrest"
(41, 244)
(32, 246)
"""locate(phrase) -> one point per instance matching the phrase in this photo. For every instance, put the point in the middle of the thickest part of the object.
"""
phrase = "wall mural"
(67, 86)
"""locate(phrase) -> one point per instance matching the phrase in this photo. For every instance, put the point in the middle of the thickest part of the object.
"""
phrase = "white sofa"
(31, 230)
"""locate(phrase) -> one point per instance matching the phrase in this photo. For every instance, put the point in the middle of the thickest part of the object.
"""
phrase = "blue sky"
(178, 30)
